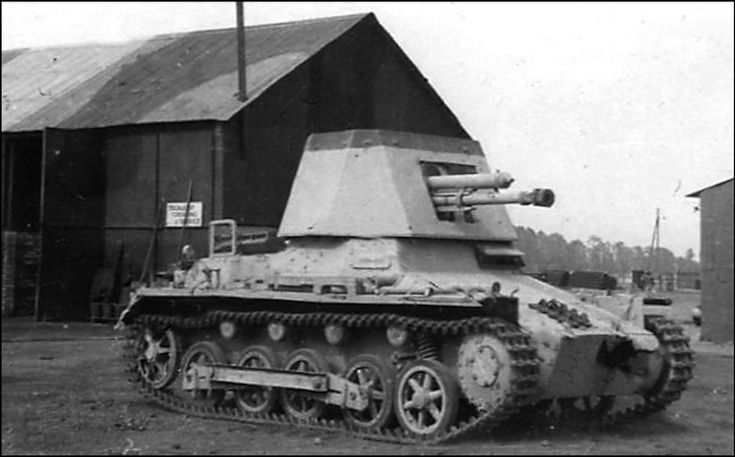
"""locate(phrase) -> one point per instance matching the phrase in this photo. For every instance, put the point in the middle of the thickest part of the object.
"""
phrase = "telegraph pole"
(655, 244)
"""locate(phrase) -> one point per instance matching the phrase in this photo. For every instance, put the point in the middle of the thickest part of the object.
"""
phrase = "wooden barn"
(716, 258)
(100, 141)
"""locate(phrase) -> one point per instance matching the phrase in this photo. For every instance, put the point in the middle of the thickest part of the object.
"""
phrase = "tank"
(391, 303)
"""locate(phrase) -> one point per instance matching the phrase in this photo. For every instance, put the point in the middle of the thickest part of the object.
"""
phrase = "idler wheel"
(377, 378)
(297, 404)
(204, 353)
(673, 362)
(159, 354)
(257, 399)
(427, 398)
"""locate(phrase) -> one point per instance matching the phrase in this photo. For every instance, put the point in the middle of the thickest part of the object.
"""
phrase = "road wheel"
(257, 399)
(427, 398)
(300, 405)
(159, 354)
(204, 353)
(377, 378)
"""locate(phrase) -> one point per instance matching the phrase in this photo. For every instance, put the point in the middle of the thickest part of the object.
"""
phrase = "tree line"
(553, 252)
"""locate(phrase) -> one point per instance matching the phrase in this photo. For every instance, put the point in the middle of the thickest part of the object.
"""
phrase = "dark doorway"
(72, 221)
(22, 183)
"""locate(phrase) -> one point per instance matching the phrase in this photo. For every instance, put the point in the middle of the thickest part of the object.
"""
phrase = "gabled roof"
(169, 78)
(696, 194)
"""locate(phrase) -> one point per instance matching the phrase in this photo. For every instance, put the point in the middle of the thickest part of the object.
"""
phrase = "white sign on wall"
(176, 212)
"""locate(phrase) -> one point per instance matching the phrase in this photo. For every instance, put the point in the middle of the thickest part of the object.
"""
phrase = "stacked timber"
(21, 258)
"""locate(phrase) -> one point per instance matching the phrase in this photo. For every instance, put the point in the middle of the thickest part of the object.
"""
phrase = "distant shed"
(716, 259)
(96, 138)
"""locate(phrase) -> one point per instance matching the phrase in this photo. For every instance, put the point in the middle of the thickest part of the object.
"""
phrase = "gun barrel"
(451, 202)
(500, 180)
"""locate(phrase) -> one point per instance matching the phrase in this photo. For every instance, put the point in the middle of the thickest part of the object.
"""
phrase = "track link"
(525, 363)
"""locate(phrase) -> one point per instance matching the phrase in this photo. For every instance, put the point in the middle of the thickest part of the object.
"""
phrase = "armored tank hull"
(395, 309)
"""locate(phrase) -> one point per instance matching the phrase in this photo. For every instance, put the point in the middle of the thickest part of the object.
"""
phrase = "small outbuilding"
(716, 258)
(103, 145)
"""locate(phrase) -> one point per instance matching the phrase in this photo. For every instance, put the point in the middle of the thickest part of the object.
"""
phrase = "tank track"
(525, 363)
(676, 344)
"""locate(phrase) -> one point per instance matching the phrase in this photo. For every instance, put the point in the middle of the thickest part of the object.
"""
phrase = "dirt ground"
(64, 392)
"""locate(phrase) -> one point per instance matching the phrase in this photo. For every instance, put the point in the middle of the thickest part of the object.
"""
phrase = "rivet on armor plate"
(228, 329)
(276, 331)
(397, 336)
(334, 333)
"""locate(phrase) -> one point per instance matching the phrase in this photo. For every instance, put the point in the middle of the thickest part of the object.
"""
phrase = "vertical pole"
(656, 237)
(241, 65)
(186, 220)
(159, 200)
(218, 153)
(242, 94)
(651, 251)
(160, 208)
(44, 147)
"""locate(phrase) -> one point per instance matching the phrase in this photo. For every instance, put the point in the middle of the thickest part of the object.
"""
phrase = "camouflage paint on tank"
(362, 230)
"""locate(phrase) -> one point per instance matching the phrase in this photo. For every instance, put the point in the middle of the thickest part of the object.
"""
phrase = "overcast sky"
(620, 108)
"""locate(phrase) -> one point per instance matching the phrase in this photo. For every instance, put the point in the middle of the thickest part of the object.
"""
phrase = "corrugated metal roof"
(169, 78)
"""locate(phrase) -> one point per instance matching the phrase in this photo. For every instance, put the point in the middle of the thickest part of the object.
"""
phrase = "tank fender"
(641, 339)
(624, 306)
